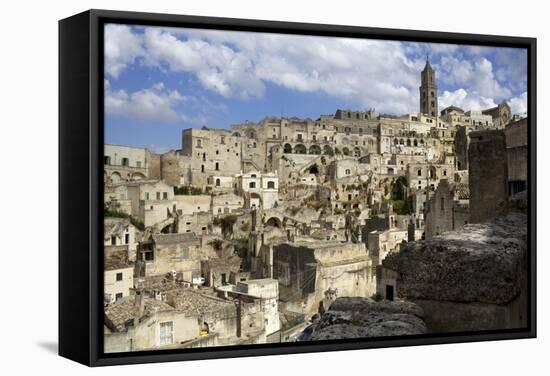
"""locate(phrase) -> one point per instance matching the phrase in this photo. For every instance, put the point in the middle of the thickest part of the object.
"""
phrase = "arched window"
(125, 162)
(218, 183)
(415, 142)
(202, 168)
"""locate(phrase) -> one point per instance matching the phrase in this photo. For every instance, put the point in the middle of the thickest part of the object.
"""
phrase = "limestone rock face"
(364, 317)
(483, 263)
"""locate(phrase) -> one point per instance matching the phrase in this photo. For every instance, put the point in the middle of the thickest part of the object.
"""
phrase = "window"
(300, 138)
(118, 296)
(138, 164)
(165, 195)
(113, 240)
(202, 168)
(226, 210)
(107, 160)
(119, 276)
(126, 238)
(252, 184)
(348, 171)
(199, 143)
(147, 195)
(419, 172)
(219, 210)
(125, 162)
(185, 253)
(444, 172)
(271, 185)
(217, 166)
(222, 140)
(218, 183)
(217, 152)
(166, 333)
(158, 196)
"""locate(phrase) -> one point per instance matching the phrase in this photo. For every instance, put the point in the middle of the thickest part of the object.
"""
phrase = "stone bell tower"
(428, 91)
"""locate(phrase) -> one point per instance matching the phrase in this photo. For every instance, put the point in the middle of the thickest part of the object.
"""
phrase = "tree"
(399, 189)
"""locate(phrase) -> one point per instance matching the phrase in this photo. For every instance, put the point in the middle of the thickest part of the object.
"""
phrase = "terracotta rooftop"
(118, 315)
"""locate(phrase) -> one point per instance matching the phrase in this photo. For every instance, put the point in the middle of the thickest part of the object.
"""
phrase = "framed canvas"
(234, 187)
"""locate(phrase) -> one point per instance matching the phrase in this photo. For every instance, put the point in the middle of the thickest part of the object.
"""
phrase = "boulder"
(484, 263)
(363, 317)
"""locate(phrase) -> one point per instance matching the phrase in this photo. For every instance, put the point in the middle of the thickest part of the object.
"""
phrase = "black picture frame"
(81, 187)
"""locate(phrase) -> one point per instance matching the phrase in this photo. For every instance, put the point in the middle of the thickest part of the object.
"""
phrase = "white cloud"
(519, 104)
(238, 65)
(477, 76)
(367, 73)
(218, 68)
(465, 100)
(122, 47)
(155, 103)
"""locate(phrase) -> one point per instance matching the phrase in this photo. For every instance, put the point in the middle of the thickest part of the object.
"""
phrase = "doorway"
(389, 292)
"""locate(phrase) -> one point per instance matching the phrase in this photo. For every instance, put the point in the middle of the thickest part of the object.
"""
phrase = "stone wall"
(488, 175)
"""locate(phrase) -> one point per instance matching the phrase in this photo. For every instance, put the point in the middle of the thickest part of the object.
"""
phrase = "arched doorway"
(300, 149)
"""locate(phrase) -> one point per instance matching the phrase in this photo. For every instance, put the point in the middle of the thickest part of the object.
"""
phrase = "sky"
(159, 81)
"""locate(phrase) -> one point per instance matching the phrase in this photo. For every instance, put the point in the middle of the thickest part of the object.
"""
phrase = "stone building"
(211, 151)
(382, 242)
(428, 175)
(120, 232)
(170, 253)
(124, 163)
(501, 114)
(150, 200)
(226, 203)
(185, 319)
(257, 305)
(118, 274)
(259, 189)
(216, 271)
(448, 209)
(309, 272)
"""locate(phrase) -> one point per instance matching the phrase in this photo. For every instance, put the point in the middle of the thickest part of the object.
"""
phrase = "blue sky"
(159, 81)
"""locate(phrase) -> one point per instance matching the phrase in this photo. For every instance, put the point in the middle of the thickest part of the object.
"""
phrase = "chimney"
(139, 305)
